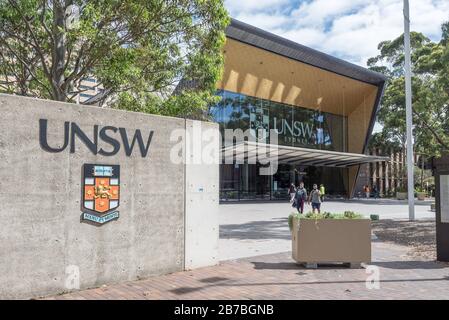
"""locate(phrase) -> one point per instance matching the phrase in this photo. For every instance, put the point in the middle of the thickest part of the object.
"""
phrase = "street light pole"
(408, 110)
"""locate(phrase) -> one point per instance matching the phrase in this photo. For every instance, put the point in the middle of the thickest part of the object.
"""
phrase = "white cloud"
(236, 6)
(349, 29)
(311, 37)
(319, 12)
(263, 20)
(427, 16)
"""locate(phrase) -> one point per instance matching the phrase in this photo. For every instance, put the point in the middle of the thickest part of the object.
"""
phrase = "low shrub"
(323, 215)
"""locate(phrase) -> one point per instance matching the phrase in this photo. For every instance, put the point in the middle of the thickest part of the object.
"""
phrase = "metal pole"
(408, 110)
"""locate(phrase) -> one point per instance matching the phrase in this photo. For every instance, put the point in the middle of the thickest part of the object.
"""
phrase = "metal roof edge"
(262, 39)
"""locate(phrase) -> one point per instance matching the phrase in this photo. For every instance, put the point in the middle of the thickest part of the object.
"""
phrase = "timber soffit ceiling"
(259, 38)
(264, 40)
(247, 151)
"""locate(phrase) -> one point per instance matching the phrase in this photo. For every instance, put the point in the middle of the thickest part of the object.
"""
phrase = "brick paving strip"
(277, 276)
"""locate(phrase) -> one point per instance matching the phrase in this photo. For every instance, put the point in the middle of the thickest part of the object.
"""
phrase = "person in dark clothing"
(375, 192)
(292, 192)
(300, 198)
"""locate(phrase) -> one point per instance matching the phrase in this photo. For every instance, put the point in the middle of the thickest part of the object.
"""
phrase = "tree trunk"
(432, 131)
(422, 172)
(58, 52)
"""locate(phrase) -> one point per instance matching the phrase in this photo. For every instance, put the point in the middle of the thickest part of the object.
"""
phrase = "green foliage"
(188, 104)
(292, 216)
(351, 215)
(137, 50)
(430, 87)
(323, 215)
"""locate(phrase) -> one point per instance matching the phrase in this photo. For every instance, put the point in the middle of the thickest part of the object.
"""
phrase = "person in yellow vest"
(322, 191)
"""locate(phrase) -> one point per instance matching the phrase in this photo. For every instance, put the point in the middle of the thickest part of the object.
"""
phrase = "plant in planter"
(401, 193)
(330, 237)
(323, 215)
(420, 193)
(231, 194)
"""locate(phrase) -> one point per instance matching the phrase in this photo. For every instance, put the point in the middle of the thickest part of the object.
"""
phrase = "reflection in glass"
(297, 127)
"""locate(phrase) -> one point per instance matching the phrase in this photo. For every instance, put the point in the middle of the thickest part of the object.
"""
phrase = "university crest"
(101, 193)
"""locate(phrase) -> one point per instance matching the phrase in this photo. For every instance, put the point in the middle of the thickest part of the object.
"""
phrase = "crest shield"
(100, 192)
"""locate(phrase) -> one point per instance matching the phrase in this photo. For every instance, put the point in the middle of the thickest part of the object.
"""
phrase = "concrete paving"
(259, 233)
(277, 276)
(251, 229)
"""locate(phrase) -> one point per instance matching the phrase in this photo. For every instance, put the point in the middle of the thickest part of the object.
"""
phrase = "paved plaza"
(257, 264)
(251, 229)
(277, 276)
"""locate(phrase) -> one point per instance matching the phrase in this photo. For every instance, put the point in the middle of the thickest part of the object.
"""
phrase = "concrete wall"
(44, 248)
(202, 189)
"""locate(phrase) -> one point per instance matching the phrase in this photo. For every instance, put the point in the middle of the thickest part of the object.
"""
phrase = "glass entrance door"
(281, 182)
(263, 185)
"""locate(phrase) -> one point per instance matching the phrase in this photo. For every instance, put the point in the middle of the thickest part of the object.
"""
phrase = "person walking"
(322, 191)
(366, 190)
(315, 198)
(375, 192)
(292, 192)
(300, 197)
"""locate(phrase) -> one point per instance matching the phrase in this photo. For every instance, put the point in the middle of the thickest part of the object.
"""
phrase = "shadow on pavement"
(187, 290)
(400, 265)
(213, 279)
(384, 202)
(276, 265)
(403, 265)
(257, 230)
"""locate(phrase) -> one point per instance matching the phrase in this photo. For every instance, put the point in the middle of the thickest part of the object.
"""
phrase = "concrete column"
(396, 170)
(376, 171)
(386, 177)
(201, 197)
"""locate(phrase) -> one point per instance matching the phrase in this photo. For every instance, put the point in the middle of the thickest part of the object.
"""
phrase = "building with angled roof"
(322, 108)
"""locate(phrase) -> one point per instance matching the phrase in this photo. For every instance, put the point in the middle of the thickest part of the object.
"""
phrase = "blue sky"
(348, 29)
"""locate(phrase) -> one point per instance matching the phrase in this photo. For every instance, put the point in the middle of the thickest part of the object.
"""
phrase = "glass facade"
(295, 126)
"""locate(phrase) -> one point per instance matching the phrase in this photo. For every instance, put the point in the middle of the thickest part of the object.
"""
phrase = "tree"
(430, 86)
(138, 50)
(430, 63)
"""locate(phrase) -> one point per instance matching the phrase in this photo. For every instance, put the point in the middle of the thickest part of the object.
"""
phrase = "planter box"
(401, 195)
(421, 195)
(331, 240)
